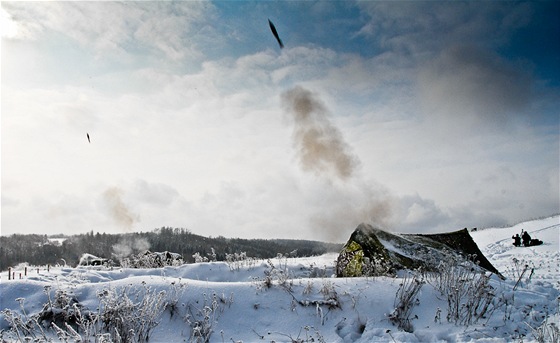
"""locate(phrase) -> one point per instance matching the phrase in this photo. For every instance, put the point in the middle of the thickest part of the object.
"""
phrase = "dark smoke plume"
(320, 145)
(118, 209)
(322, 149)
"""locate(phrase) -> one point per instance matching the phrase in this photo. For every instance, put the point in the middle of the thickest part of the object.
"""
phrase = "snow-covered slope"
(497, 245)
(296, 299)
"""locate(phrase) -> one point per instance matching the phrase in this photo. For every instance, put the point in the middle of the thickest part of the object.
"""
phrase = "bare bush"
(405, 300)
(129, 321)
(520, 270)
(467, 290)
(63, 314)
(23, 327)
(236, 261)
(546, 332)
(62, 309)
(150, 259)
(278, 274)
(203, 318)
(124, 315)
(173, 295)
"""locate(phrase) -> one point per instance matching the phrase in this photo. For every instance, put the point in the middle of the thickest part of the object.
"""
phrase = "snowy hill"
(496, 243)
(294, 300)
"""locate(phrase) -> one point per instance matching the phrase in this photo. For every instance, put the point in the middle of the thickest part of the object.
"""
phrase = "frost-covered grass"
(287, 299)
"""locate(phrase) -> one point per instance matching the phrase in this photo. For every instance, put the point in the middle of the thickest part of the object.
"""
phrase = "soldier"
(526, 238)
(516, 240)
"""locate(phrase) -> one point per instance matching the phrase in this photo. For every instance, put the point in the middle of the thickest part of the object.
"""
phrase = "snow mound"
(291, 299)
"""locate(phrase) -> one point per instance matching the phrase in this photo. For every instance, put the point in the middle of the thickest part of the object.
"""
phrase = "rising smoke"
(130, 245)
(321, 149)
(124, 218)
(320, 145)
(117, 208)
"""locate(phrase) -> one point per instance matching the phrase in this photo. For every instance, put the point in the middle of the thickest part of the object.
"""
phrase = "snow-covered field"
(295, 299)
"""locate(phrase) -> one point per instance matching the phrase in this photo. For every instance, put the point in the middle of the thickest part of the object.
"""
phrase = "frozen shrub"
(62, 314)
(311, 335)
(62, 309)
(405, 300)
(199, 258)
(127, 321)
(150, 259)
(317, 272)
(202, 319)
(547, 332)
(277, 274)
(22, 326)
(236, 261)
(467, 290)
(125, 315)
(173, 296)
(328, 290)
(520, 269)
(213, 256)
(68, 335)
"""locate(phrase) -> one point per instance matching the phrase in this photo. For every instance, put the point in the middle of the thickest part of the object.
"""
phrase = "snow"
(303, 301)
(57, 240)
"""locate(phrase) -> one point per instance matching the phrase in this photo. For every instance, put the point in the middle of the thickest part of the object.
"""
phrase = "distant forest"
(42, 249)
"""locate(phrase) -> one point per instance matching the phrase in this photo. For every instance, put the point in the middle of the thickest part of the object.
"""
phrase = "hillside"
(297, 299)
(43, 250)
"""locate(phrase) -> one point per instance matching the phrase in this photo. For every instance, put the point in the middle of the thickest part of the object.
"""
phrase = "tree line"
(42, 249)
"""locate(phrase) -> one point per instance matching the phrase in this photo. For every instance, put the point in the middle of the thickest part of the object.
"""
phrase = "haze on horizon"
(414, 116)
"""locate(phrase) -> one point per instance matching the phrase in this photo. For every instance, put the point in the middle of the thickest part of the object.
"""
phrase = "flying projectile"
(275, 33)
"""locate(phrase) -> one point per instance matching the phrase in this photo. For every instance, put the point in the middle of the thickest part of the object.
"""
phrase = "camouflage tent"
(372, 251)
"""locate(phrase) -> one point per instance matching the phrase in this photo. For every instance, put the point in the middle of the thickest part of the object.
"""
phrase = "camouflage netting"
(371, 251)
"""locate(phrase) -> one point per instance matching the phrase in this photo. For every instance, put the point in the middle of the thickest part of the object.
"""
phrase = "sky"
(412, 116)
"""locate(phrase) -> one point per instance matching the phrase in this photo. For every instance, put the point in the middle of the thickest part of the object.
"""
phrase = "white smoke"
(129, 245)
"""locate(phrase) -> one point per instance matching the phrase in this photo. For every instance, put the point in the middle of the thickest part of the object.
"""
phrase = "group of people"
(526, 238)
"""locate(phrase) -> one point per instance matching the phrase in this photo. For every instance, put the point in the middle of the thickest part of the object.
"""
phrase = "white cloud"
(10, 28)
(154, 193)
(208, 146)
(421, 215)
(474, 89)
(119, 28)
